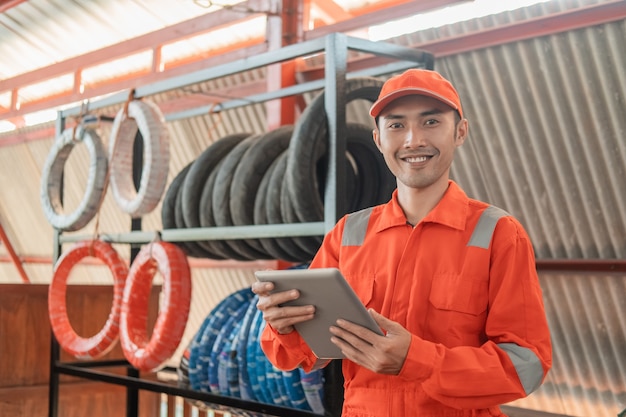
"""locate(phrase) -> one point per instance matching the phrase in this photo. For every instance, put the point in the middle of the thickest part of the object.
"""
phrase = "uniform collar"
(451, 210)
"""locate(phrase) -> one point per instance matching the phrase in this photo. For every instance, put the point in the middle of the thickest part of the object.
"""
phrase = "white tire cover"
(53, 172)
(147, 118)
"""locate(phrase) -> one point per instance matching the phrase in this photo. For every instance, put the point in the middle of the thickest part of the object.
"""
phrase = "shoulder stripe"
(356, 227)
(483, 232)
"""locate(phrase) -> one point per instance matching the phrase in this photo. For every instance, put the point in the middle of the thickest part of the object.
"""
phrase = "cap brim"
(382, 102)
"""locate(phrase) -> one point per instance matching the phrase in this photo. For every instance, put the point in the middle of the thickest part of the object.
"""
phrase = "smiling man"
(451, 280)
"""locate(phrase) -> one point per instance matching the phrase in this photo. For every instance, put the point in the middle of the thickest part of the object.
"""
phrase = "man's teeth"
(416, 159)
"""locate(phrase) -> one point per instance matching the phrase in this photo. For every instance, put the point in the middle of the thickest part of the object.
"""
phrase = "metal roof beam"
(592, 15)
(379, 13)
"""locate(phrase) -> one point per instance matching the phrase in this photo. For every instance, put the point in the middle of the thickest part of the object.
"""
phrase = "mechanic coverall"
(463, 282)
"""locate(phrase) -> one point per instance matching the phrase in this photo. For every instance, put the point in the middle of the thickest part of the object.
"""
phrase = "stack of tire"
(275, 178)
(225, 358)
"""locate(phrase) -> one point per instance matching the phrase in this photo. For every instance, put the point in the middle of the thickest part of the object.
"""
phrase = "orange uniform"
(463, 282)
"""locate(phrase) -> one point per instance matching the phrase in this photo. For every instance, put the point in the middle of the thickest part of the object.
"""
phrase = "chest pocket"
(458, 293)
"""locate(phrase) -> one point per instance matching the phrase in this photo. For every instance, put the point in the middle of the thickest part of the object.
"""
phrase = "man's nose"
(414, 138)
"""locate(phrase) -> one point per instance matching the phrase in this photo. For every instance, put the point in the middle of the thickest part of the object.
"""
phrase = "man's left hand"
(380, 354)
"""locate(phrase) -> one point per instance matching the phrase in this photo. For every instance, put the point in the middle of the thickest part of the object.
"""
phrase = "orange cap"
(417, 81)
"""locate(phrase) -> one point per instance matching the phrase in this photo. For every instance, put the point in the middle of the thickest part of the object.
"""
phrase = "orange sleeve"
(287, 351)
(517, 354)
(290, 351)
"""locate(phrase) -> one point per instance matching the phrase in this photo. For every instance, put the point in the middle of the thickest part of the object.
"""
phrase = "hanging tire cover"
(143, 117)
(149, 354)
(295, 392)
(242, 347)
(98, 345)
(256, 369)
(52, 175)
(224, 337)
(310, 141)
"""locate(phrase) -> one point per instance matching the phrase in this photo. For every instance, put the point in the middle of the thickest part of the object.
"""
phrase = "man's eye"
(432, 121)
(395, 125)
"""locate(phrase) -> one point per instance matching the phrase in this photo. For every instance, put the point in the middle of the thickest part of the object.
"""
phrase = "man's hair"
(457, 118)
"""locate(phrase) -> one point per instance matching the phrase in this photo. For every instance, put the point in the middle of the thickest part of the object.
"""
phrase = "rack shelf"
(335, 48)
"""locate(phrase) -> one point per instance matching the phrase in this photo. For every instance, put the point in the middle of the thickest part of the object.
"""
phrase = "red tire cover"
(101, 343)
(149, 354)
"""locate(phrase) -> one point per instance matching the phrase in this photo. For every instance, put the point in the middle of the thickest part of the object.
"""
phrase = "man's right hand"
(282, 319)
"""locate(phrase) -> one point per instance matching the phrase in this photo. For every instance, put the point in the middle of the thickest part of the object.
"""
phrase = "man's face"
(417, 136)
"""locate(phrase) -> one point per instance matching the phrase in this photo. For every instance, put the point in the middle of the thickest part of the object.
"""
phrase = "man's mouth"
(416, 159)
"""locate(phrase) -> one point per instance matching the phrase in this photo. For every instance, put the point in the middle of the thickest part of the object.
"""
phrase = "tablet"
(333, 298)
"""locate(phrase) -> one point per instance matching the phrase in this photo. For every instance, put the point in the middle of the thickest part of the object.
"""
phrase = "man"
(450, 280)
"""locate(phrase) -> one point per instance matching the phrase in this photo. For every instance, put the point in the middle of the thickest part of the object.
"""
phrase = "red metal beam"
(379, 13)
(546, 25)
(595, 14)
(176, 105)
(13, 256)
(582, 265)
(121, 85)
(151, 41)
(170, 34)
(7, 4)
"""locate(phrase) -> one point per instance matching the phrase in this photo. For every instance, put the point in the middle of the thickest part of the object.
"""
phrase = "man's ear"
(376, 137)
(462, 130)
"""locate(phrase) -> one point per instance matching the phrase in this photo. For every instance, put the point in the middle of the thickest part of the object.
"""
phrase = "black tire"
(376, 183)
(221, 197)
(199, 173)
(366, 172)
(310, 141)
(219, 247)
(168, 208)
(268, 211)
(250, 170)
(272, 246)
(191, 248)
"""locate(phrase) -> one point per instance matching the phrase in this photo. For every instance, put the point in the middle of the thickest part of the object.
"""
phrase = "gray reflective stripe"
(355, 228)
(527, 365)
(483, 232)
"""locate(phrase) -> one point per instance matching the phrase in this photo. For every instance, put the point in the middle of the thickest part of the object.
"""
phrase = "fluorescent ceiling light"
(446, 16)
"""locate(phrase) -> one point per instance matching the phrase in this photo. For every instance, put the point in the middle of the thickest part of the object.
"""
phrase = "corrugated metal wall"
(547, 126)
(547, 122)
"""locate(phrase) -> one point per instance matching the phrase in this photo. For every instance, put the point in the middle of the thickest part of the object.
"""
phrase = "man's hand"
(280, 318)
(380, 354)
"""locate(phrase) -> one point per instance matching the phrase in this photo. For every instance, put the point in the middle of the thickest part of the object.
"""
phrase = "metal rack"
(335, 47)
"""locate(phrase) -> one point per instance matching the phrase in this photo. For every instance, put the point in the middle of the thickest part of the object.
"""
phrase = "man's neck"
(418, 202)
